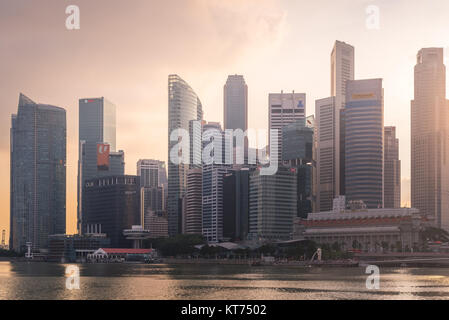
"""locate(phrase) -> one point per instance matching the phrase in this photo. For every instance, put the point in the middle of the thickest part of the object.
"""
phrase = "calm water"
(22, 280)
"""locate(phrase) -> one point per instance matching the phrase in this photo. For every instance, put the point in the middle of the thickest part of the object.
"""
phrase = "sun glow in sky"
(125, 50)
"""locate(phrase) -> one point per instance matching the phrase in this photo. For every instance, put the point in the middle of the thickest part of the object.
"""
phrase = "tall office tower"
(342, 70)
(236, 204)
(235, 103)
(429, 133)
(364, 136)
(212, 206)
(38, 174)
(285, 108)
(212, 174)
(151, 200)
(148, 171)
(329, 173)
(111, 205)
(194, 202)
(152, 187)
(392, 169)
(183, 106)
(272, 205)
(326, 154)
(195, 134)
(97, 156)
(297, 139)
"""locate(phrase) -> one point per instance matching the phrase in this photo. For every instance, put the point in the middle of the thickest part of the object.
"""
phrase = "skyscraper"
(194, 202)
(364, 142)
(152, 173)
(236, 204)
(149, 172)
(153, 187)
(111, 205)
(326, 169)
(342, 70)
(183, 106)
(285, 108)
(392, 169)
(212, 180)
(297, 139)
(272, 205)
(97, 134)
(429, 138)
(38, 174)
(330, 138)
(235, 103)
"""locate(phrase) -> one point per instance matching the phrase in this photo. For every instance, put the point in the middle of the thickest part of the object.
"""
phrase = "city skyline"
(134, 99)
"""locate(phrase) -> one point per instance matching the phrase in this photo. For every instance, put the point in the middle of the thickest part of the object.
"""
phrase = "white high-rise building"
(285, 108)
(342, 70)
(429, 143)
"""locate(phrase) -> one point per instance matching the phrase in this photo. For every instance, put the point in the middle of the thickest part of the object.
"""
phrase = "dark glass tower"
(38, 174)
(97, 125)
(235, 103)
(111, 205)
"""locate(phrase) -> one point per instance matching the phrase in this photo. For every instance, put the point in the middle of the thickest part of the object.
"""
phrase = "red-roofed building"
(126, 251)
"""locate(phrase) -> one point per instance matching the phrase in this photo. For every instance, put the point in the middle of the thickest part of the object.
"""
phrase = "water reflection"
(21, 280)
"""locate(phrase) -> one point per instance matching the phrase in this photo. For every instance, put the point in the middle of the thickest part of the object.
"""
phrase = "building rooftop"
(126, 251)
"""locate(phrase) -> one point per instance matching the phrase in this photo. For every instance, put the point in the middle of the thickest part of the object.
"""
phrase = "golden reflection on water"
(22, 280)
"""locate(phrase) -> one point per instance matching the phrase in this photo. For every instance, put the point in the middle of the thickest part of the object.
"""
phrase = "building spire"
(24, 100)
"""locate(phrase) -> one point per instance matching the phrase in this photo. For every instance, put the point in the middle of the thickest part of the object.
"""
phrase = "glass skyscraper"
(111, 205)
(97, 125)
(153, 187)
(284, 108)
(183, 106)
(392, 169)
(212, 180)
(272, 205)
(38, 174)
(364, 132)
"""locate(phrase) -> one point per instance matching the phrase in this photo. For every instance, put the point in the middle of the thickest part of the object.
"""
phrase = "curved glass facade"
(183, 106)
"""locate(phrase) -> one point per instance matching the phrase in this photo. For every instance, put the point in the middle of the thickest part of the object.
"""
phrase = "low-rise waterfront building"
(74, 248)
(121, 254)
(370, 230)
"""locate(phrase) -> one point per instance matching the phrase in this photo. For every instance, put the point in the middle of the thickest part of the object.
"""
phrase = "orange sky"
(125, 50)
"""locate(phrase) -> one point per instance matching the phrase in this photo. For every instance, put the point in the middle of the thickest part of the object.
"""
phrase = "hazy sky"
(125, 50)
